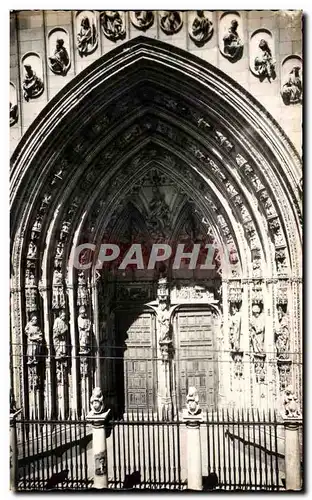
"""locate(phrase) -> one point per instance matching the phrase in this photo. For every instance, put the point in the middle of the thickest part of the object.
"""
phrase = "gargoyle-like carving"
(59, 63)
(235, 326)
(142, 19)
(257, 328)
(192, 401)
(291, 404)
(35, 340)
(13, 113)
(282, 334)
(87, 37)
(84, 327)
(113, 25)
(264, 63)
(202, 28)
(97, 401)
(32, 84)
(60, 329)
(284, 370)
(292, 88)
(233, 45)
(170, 22)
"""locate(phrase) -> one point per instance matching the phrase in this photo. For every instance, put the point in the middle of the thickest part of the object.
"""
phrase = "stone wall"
(31, 33)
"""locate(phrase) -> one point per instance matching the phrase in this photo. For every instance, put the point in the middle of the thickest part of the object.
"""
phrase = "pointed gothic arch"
(147, 105)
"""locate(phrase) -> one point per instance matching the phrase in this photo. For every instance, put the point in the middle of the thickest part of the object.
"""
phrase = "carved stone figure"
(32, 250)
(163, 321)
(87, 37)
(113, 25)
(264, 63)
(35, 340)
(13, 114)
(59, 62)
(238, 364)
(235, 327)
(142, 19)
(259, 363)
(84, 327)
(192, 401)
(170, 22)
(60, 329)
(233, 45)
(158, 217)
(291, 404)
(284, 370)
(97, 401)
(282, 335)
(202, 29)
(82, 290)
(58, 297)
(292, 89)
(32, 84)
(257, 330)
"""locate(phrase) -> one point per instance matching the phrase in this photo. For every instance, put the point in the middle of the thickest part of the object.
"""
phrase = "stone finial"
(192, 401)
(291, 404)
(97, 401)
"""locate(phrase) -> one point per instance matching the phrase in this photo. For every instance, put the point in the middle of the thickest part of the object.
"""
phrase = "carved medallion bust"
(59, 63)
(170, 22)
(113, 25)
(202, 29)
(32, 84)
(142, 19)
(292, 89)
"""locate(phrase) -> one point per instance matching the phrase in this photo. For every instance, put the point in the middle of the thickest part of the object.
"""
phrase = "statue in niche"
(58, 298)
(32, 250)
(60, 329)
(292, 89)
(158, 217)
(35, 340)
(235, 327)
(32, 84)
(170, 22)
(13, 114)
(257, 330)
(282, 334)
(84, 327)
(202, 28)
(82, 290)
(233, 45)
(264, 63)
(113, 25)
(164, 321)
(86, 38)
(59, 62)
(142, 19)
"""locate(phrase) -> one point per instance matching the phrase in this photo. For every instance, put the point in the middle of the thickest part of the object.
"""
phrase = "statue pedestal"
(194, 458)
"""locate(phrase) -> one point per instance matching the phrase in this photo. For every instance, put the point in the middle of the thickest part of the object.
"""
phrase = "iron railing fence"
(244, 448)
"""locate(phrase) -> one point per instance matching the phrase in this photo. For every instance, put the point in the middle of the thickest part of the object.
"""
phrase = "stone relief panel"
(87, 32)
(59, 51)
(13, 105)
(32, 76)
(113, 24)
(200, 27)
(170, 21)
(231, 41)
(142, 19)
(262, 55)
(291, 80)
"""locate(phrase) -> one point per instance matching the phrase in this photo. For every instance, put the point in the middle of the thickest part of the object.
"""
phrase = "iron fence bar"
(133, 443)
(239, 452)
(254, 448)
(163, 453)
(179, 453)
(234, 451)
(174, 468)
(224, 450)
(128, 439)
(249, 454)
(229, 451)
(154, 455)
(271, 454)
(169, 452)
(114, 456)
(71, 456)
(260, 449)
(158, 442)
(265, 454)
(276, 452)
(244, 449)
(143, 442)
(84, 426)
(138, 444)
(213, 444)
(219, 448)
(149, 450)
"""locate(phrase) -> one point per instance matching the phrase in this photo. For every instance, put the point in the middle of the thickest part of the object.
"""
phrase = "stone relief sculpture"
(32, 84)
(96, 402)
(84, 327)
(170, 22)
(264, 63)
(59, 63)
(34, 340)
(13, 113)
(58, 297)
(82, 290)
(87, 37)
(158, 216)
(142, 19)
(60, 329)
(257, 330)
(282, 334)
(292, 88)
(113, 25)
(164, 322)
(235, 327)
(192, 401)
(202, 29)
(291, 404)
(232, 44)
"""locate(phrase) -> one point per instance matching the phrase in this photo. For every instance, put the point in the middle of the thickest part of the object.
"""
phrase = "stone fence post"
(98, 419)
(192, 416)
(292, 422)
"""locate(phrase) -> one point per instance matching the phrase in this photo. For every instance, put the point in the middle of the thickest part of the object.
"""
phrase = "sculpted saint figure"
(32, 85)
(292, 89)
(233, 45)
(282, 335)
(113, 25)
(84, 327)
(235, 327)
(60, 329)
(257, 330)
(59, 62)
(201, 29)
(163, 321)
(170, 22)
(142, 19)
(86, 37)
(35, 340)
(13, 113)
(264, 63)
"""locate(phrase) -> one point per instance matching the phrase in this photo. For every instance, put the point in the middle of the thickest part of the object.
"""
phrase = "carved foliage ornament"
(170, 22)
(113, 25)
(201, 29)
(142, 19)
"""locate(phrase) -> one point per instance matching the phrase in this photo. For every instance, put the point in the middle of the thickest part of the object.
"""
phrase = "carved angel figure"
(233, 45)
(282, 335)
(59, 62)
(86, 38)
(35, 340)
(235, 327)
(257, 330)
(142, 19)
(32, 84)
(113, 25)
(264, 63)
(170, 22)
(292, 89)
(60, 329)
(84, 327)
(202, 28)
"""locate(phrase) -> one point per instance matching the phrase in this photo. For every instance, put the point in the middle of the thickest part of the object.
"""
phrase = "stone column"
(13, 445)
(192, 416)
(292, 422)
(98, 419)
